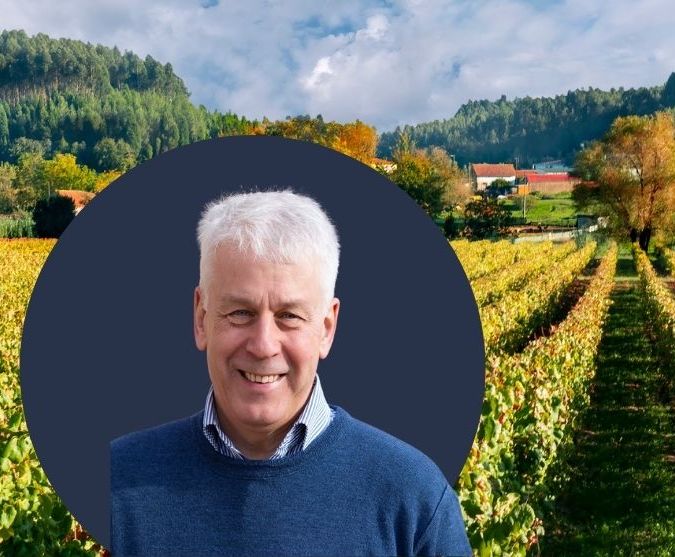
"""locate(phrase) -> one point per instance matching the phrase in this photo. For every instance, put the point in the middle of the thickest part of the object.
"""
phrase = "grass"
(11, 227)
(555, 209)
(625, 268)
(619, 494)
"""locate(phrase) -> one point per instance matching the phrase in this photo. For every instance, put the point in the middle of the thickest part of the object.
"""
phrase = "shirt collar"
(314, 418)
(316, 414)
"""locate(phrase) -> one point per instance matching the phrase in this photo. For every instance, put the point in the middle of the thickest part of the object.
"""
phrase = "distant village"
(546, 177)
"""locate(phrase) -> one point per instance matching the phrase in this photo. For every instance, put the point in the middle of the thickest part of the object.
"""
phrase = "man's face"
(264, 328)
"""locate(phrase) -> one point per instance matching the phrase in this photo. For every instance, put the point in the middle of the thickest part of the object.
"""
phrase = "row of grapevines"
(466, 247)
(33, 521)
(668, 257)
(479, 259)
(508, 323)
(530, 404)
(489, 289)
(659, 304)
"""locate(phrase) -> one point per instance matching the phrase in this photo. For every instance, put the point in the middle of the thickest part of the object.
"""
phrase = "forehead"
(234, 269)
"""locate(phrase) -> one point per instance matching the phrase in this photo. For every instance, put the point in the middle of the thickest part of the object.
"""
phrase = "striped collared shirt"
(314, 418)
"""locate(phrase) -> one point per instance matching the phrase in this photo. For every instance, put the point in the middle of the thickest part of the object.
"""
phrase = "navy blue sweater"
(355, 491)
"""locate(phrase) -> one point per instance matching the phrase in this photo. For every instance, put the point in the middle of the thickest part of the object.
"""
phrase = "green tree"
(630, 176)
(429, 176)
(499, 187)
(26, 146)
(456, 185)
(30, 183)
(37, 178)
(415, 175)
(668, 94)
(114, 154)
(4, 128)
(531, 128)
(306, 128)
(63, 173)
(8, 198)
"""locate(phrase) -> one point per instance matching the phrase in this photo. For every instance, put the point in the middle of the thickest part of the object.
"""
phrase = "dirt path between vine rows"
(619, 494)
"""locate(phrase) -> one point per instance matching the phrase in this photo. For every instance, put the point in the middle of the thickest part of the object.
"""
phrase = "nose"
(263, 341)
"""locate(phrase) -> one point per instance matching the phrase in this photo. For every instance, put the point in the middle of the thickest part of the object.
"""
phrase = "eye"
(240, 316)
(289, 317)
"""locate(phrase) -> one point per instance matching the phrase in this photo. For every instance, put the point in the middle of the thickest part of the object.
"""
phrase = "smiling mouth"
(253, 378)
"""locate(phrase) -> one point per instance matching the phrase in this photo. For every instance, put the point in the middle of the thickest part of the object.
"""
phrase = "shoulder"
(392, 457)
(158, 437)
(410, 486)
(132, 454)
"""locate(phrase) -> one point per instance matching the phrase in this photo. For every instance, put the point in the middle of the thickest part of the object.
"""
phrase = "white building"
(484, 174)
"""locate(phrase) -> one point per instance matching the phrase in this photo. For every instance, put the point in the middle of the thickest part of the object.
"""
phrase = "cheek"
(304, 352)
(223, 345)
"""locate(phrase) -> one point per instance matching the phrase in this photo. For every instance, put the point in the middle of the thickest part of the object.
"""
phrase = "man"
(268, 467)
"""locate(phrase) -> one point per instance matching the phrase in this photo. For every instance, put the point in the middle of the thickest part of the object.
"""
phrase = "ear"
(199, 315)
(329, 326)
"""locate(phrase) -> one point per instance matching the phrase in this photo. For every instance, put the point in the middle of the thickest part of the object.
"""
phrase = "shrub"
(450, 227)
(21, 227)
(484, 218)
(52, 216)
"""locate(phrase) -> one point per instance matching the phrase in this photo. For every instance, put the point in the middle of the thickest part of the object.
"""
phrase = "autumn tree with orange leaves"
(629, 176)
(429, 176)
(354, 139)
(357, 140)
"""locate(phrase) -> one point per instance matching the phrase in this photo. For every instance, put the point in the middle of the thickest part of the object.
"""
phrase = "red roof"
(551, 177)
(80, 198)
(494, 170)
(378, 161)
(525, 173)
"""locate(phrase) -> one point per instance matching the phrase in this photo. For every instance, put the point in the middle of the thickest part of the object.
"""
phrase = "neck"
(255, 443)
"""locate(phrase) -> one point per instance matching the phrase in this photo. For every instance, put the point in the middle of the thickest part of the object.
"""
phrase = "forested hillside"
(531, 129)
(113, 110)
(109, 109)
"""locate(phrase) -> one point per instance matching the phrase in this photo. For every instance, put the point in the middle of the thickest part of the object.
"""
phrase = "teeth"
(261, 378)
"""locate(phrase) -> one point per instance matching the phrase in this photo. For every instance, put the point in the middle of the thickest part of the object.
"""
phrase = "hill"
(113, 110)
(104, 106)
(529, 129)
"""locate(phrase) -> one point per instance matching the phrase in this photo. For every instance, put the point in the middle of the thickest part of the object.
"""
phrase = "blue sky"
(386, 63)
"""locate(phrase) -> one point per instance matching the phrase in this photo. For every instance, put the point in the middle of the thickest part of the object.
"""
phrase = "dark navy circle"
(108, 342)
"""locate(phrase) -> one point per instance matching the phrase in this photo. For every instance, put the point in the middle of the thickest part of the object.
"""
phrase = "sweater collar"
(316, 415)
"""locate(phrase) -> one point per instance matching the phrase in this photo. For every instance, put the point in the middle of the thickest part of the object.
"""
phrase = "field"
(555, 209)
(540, 210)
(16, 227)
(574, 453)
(33, 521)
(560, 466)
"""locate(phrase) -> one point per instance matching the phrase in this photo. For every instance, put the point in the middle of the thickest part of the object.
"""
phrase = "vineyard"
(33, 521)
(544, 310)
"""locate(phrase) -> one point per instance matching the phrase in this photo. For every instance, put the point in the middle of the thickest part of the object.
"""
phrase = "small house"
(79, 198)
(483, 174)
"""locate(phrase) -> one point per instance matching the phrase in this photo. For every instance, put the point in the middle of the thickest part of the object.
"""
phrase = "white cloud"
(321, 70)
(402, 61)
(376, 28)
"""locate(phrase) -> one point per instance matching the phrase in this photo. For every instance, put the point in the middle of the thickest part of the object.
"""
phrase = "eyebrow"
(232, 299)
(243, 300)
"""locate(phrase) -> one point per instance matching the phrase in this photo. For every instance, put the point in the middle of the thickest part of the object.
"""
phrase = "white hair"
(273, 226)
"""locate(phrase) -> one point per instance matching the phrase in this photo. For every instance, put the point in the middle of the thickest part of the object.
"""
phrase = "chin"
(260, 416)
